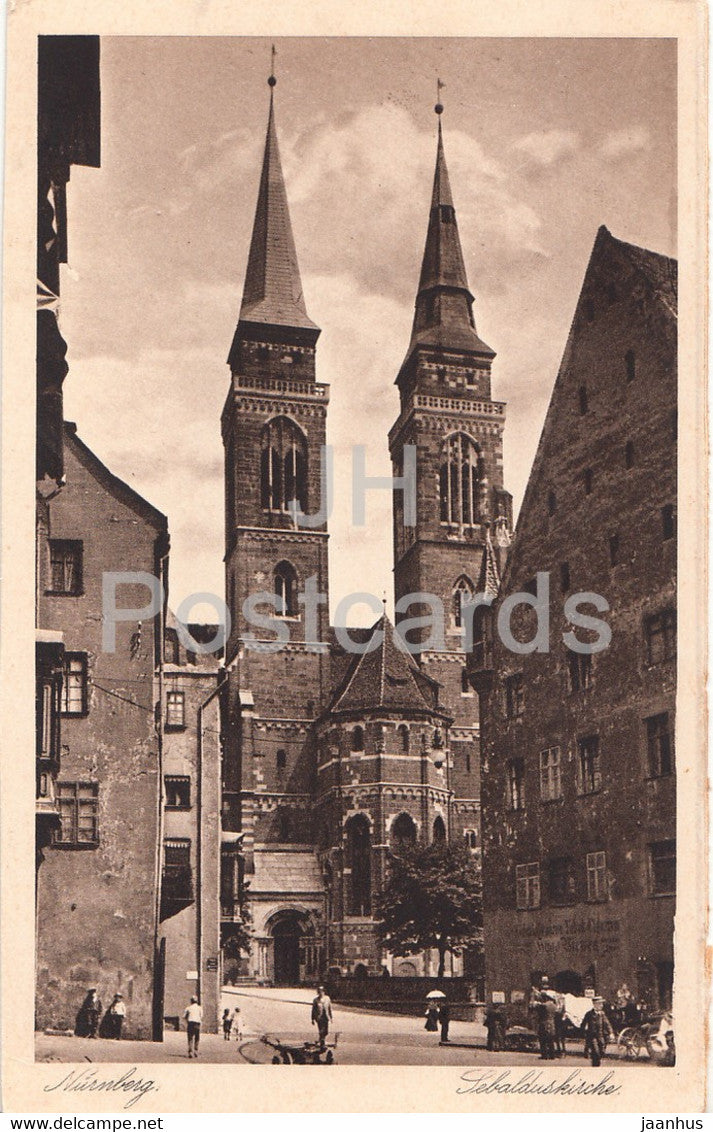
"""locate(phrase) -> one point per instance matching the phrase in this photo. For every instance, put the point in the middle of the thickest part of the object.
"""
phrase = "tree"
(432, 899)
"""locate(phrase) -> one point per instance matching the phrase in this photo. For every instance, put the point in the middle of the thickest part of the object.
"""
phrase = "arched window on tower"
(462, 596)
(404, 738)
(439, 830)
(459, 480)
(358, 861)
(403, 832)
(283, 465)
(285, 590)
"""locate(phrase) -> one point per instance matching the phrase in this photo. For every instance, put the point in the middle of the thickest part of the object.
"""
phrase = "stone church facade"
(332, 755)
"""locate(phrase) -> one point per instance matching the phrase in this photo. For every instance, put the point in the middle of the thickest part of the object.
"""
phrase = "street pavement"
(364, 1038)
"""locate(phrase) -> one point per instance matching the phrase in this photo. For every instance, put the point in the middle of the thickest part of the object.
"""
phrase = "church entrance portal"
(286, 936)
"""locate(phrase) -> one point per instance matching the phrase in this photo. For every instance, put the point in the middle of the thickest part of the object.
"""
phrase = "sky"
(545, 140)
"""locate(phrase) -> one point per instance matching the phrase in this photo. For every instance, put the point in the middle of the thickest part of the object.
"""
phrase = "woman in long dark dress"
(88, 1016)
(432, 1018)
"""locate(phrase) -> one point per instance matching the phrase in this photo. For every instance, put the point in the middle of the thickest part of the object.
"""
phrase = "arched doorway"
(286, 935)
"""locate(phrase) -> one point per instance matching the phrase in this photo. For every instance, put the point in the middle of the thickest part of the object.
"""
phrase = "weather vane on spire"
(272, 81)
(439, 105)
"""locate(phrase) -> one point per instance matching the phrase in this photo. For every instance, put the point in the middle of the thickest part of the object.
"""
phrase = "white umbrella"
(435, 994)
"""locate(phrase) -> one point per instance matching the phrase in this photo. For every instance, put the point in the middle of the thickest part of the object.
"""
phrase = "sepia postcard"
(356, 610)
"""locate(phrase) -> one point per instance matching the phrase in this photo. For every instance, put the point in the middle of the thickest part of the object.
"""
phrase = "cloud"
(548, 147)
(620, 143)
(382, 164)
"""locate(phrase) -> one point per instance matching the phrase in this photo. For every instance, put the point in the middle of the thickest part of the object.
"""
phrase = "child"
(227, 1024)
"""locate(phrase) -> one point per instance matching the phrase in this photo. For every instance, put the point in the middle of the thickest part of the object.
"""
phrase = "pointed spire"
(273, 288)
(489, 579)
(444, 304)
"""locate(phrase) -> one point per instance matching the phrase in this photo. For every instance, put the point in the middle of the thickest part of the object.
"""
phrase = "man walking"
(322, 1015)
(444, 1017)
(597, 1031)
(193, 1015)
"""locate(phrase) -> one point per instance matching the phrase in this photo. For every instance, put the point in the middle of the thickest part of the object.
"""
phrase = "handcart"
(300, 1053)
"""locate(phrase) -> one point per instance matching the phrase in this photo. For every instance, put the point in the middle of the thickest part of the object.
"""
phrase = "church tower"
(273, 428)
(448, 414)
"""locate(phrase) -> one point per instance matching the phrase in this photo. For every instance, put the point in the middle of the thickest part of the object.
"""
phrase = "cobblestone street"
(364, 1038)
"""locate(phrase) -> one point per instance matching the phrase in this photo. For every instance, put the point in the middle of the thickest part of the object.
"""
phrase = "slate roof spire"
(444, 303)
(272, 294)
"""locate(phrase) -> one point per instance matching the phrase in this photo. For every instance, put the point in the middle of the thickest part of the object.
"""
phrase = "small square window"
(178, 791)
(175, 709)
(74, 684)
(66, 561)
(597, 888)
(662, 868)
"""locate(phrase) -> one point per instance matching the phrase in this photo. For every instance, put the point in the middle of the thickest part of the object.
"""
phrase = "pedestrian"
(597, 1031)
(237, 1028)
(444, 1017)
(227, 1024)
(117, 1014)
(322, 1015)
(89, 1015)
(560, 1032)
(545, 1013)
(193, 1015)
(495, 1024)
(431, 1018)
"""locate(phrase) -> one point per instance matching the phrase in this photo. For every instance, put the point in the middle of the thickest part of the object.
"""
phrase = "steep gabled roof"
(112, 483)
(660, 275)
(660, 270)
(385, 678)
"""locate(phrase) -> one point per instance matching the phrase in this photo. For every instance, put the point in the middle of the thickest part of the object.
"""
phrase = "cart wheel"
(287, 1058)
(329, 1059)
(629, 1043)
(277, 1060)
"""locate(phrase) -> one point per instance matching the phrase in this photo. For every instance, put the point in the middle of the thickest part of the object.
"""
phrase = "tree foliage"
(432, 899)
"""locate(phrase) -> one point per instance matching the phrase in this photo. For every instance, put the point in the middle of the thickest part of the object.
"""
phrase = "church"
(341, 745)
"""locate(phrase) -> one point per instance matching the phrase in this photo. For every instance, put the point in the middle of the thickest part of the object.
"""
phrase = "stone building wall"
(594, 519)
(97, 894)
